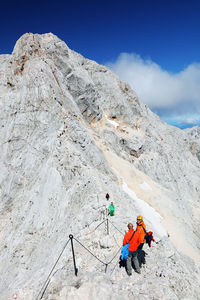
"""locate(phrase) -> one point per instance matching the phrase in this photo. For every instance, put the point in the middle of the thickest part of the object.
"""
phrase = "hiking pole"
(75, 268)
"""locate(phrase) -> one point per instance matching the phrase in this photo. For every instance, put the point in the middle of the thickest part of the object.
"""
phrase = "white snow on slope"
(115, 124)
(145, 186)
(147, 212)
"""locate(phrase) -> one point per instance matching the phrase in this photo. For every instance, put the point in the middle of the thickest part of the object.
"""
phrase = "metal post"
(107, 227)
(106, 268)
(75, 268)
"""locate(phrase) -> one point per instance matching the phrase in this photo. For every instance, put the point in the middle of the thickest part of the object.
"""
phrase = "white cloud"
(188, 121)
(166, 93)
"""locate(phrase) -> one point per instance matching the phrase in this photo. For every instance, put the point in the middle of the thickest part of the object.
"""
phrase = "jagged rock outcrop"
(70, 132)
(194, 136)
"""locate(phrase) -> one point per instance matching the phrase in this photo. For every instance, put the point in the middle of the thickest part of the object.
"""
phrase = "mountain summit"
(71, 132)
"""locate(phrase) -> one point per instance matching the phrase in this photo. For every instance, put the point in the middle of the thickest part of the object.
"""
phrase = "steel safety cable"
(97, 226)
(45, 285)
(115, 255)
(89, 251)
(115, 226)
(114, 268)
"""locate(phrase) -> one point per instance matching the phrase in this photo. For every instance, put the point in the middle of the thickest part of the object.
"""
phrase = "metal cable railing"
(71, 237)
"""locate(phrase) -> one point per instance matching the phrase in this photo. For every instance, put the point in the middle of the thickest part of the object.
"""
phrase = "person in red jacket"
(133, 238)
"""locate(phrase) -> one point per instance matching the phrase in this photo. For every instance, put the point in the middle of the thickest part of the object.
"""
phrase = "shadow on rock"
(141, 257)
(122, 263)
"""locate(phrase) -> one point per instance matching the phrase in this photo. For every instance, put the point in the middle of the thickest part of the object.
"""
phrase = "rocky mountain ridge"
(70, 132)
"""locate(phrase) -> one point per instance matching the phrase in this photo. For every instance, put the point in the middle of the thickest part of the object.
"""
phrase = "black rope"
(106, 264)
(57, 271)
(115, 227)
(45, 285)
(97, 226)
(115, 255)
(114, 268)
(116, 241)
(89, 251)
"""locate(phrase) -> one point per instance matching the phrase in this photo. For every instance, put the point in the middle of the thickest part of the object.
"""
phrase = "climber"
(107, 196)
(111, 209)
(141, 229)
(133, 238)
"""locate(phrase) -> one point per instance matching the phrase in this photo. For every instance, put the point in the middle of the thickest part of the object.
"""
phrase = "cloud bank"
(173, 96)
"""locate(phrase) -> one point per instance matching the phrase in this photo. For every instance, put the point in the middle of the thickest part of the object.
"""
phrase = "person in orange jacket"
(141, 229)
(133, 238)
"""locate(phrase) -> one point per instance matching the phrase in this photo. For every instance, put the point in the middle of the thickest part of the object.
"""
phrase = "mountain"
(194, 132)
(71, 132)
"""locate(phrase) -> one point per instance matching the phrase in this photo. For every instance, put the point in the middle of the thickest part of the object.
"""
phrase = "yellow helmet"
(139, 218)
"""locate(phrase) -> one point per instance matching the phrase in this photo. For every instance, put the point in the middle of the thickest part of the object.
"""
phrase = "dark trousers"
(141, 246)
(141, 254)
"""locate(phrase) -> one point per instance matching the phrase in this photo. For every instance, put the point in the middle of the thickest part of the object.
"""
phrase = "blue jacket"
(124, 252)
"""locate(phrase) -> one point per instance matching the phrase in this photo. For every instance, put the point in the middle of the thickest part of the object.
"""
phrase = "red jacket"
(135, 241)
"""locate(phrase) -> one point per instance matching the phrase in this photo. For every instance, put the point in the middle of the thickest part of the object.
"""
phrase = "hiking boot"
(129, 274)
(138, 271)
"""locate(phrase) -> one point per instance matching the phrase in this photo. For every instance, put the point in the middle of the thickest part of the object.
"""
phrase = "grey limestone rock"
(71, 131)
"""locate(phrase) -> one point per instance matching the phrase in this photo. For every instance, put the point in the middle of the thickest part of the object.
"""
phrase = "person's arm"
(138, 238)
(125, 240)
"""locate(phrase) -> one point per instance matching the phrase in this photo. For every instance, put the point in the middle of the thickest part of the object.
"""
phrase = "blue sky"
(154, 45)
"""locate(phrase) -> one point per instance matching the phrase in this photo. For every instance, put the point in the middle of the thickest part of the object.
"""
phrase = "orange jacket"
(135, 241)
(141, 231)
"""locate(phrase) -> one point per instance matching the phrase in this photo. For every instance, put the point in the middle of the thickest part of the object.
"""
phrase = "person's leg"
(140, 254)
(136, 262)
(129, 263)
(140, 246)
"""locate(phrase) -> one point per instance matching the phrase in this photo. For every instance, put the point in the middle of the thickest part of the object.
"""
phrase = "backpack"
(148, 237)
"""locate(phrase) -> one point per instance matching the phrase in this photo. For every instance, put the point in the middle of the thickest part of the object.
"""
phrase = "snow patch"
(145, 186)
(147, 211)
(115, 124)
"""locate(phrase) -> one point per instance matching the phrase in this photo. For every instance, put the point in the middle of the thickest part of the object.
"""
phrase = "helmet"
(139, 218)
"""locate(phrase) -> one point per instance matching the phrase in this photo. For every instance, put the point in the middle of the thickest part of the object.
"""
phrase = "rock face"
(194, 135)
(70, 132)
